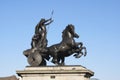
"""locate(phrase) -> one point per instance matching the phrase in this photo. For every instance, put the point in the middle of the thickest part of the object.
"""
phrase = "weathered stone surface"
(56, 73)
(9, 78)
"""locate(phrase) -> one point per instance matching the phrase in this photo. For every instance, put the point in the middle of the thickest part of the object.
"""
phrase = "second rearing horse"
(66, 47)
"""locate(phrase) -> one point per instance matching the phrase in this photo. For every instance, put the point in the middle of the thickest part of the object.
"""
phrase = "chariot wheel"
(34, 59)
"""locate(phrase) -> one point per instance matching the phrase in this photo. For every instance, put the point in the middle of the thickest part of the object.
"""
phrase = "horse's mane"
(69, 27)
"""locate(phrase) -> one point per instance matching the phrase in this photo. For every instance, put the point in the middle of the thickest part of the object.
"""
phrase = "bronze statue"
(39, 52)
(38, 44)
(66, 47)
(39, 39)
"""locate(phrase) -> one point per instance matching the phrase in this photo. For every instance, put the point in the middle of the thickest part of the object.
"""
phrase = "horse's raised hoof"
(85, 54)
(75, 55)
(78, 56)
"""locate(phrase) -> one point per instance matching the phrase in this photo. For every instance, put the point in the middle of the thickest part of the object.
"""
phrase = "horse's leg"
(78, 44)
(62, 60)
(58, 60)
(77, 47)
(79, 55)
(54, 60)
(78, 50)
(85, 51)
(81, 48)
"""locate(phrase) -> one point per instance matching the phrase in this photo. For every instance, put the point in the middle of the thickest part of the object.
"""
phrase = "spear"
(51, 17)
(52, 13)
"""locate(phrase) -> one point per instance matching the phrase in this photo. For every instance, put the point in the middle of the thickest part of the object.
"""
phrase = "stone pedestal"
(55, 73)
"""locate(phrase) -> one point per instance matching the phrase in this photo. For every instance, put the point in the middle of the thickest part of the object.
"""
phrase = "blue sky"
(96, 21)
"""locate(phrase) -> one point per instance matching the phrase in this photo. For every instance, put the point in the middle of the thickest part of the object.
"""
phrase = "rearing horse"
(66, 47)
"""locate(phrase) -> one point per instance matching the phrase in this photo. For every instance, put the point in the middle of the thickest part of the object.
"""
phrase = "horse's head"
(71, 29)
